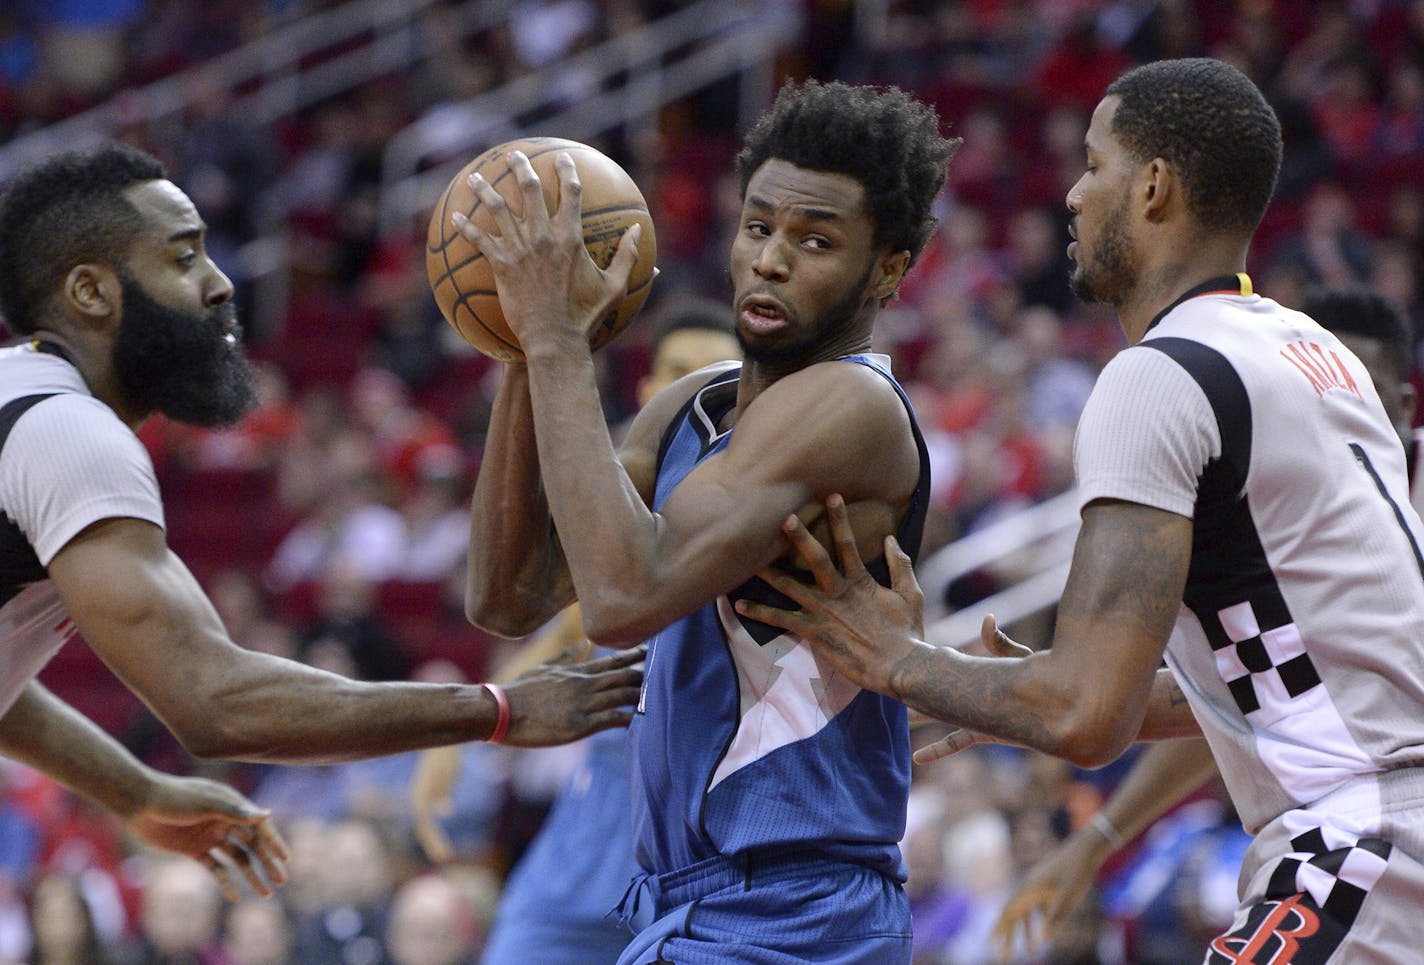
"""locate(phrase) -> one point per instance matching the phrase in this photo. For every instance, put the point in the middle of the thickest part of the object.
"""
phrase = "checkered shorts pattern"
(1259, 654)
(1338, 879)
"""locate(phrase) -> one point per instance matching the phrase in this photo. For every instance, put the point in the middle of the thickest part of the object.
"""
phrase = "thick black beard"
(180, 363)
(839, 319)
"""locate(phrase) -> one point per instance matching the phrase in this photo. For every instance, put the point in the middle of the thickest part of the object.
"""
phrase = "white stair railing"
(1036, 544)
(627, 79)
(274, 76)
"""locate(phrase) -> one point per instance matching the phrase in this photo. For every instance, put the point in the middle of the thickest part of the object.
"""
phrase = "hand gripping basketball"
(497, 259)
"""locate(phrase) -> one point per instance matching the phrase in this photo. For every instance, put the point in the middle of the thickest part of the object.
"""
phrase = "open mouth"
(762, 314)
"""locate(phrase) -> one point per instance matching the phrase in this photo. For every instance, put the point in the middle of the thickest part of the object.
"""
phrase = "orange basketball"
(460, 276)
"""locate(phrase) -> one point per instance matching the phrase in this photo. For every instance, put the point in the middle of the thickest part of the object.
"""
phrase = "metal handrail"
(712, 39)
(1039, 542)
(274, 63)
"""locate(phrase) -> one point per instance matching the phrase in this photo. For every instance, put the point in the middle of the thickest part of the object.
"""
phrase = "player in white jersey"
(102, 267)
(1378, 332)
(1245, 513)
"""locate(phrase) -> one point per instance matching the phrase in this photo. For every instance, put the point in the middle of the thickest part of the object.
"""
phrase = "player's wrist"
(549, 342)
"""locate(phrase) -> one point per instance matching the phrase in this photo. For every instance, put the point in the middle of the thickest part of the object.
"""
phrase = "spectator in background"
(347, 619)
(21, 835)
(1035, 260)
(1057, 385)
(1078, 67)
(357, 884)
(62, 927)
(1329, 250)
(1347, 111)
(351, 526)
(1400, 133)
(436, 516)
(259, 932)
(400, 432)
(179, 920)
(84, 43)
(432, 923)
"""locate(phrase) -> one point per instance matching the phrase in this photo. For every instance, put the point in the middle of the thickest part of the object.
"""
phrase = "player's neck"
(1161, 285)
(93, 360)
(758, 374)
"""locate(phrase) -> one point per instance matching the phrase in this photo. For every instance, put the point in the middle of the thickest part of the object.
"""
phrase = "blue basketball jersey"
(741, 741)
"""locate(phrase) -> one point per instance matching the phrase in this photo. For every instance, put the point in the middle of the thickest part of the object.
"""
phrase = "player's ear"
(1408, 401)
(93, 293)
(1158, 182)
(891, 269)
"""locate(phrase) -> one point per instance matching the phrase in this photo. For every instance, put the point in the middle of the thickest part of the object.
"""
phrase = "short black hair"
(65, 211)
(693, 313)
(1213, 126)
(1362, 311)
(881, 136)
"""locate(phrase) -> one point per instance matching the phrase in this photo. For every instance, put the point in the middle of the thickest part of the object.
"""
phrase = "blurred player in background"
(103, 270)
(562, 897)
(768, 792)
(1379, 333)
(1245, 509)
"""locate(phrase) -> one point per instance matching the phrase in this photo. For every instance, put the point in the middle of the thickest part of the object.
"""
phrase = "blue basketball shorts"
(785, 910)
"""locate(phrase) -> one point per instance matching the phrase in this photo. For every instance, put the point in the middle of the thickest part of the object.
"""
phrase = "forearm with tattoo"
(977, 693)
(1123, 592)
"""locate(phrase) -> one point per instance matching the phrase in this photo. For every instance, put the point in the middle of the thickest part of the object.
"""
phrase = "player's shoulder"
(644, 436)
(59, 413)
(832, 403)
(664, 406)
(865, 380)
(72, 428)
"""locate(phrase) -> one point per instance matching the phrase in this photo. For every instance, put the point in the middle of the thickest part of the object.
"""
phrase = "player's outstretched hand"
(863, 628)
(993, 642)
(215, 826)
(1048, 894)
(555, 703)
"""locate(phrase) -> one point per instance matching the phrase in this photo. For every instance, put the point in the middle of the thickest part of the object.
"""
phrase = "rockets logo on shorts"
(1313, 899)
(1272, 935)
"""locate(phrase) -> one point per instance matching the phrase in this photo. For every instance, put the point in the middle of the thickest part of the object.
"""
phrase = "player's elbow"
(507, 614)
(498, 621)
(211, 738)
(615, 626)
(1091, 740)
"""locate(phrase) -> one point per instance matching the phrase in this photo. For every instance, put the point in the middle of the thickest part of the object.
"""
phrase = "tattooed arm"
(1167, 716)
(1084, 699)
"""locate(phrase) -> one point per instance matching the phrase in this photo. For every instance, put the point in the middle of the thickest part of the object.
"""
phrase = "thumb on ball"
(621, 267)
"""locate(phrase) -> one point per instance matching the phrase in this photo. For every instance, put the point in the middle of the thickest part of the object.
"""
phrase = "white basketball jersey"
(1300, 642)
(66, 463)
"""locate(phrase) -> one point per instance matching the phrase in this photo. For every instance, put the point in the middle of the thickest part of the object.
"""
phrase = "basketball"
(461, 278)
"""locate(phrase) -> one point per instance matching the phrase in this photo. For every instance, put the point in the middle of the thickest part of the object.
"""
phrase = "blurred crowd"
(330, 526)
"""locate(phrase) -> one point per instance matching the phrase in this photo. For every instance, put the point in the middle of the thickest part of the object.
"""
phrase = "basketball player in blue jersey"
(1245, 514)
(560, 897)
(768, 792)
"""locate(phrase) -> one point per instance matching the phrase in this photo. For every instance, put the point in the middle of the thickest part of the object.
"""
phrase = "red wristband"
(501, 726)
